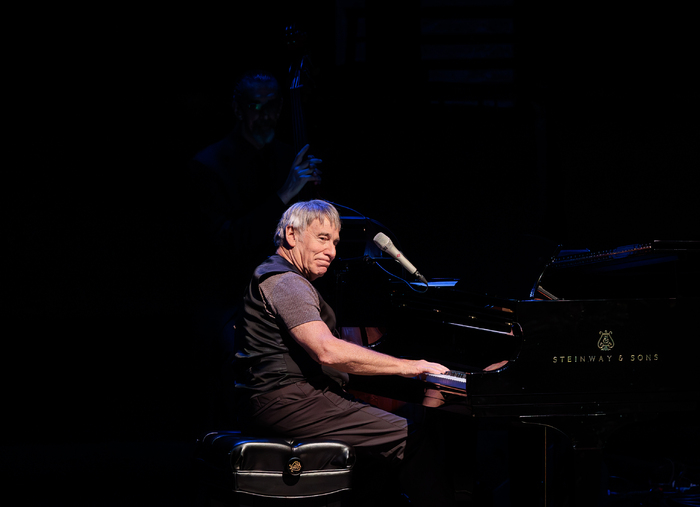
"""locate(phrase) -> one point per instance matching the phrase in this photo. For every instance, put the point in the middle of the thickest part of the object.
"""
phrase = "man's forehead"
(326, 226)
(263, 92)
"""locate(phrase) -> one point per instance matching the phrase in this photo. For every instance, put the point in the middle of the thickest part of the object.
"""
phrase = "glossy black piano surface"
(590, 333)
(595, 342)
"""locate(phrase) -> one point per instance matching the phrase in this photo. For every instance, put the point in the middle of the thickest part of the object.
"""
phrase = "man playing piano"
(290, 366)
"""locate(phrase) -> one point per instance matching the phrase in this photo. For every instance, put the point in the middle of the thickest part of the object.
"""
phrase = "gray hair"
(302, 214)
(250, 81)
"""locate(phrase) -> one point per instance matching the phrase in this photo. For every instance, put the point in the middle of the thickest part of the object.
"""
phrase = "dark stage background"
(461, 126)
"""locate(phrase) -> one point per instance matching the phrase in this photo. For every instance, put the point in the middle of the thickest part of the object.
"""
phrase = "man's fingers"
(300, 155)
(309, 162)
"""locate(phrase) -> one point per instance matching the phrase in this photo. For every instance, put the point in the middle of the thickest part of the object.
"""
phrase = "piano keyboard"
(457, 379)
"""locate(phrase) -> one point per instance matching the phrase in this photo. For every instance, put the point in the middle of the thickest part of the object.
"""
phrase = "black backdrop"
(108, 105)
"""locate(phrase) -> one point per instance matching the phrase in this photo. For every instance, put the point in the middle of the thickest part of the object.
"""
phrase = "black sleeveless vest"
(267, 357)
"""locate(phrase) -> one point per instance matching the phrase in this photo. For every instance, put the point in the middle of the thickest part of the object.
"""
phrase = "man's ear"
(290, 236)
(236, 109)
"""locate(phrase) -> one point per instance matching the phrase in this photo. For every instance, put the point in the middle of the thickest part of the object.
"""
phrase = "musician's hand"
(304, 170)
(421, 367)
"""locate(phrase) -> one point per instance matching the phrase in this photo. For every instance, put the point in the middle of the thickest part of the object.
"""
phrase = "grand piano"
(585, 342)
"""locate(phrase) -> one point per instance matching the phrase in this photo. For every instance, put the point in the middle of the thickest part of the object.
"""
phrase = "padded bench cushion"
(275, 467)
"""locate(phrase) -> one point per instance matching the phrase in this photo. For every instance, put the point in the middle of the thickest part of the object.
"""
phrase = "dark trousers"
(324, 410)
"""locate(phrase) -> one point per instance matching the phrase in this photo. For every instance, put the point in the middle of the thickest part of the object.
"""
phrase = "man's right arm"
(347, 357)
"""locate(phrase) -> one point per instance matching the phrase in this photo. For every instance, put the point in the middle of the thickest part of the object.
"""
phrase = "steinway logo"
(605, 344)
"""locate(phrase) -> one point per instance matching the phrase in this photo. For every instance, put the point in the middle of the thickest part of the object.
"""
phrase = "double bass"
(299, 80)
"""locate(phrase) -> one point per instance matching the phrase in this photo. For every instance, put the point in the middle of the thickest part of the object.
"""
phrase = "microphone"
(385, 244)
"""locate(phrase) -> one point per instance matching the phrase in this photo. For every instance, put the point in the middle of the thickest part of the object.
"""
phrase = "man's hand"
(421, 367)
(304, 169)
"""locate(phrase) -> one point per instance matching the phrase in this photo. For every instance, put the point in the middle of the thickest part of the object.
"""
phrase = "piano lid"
(660, 269)
(626, 256)
(357, 239)
(509, 268)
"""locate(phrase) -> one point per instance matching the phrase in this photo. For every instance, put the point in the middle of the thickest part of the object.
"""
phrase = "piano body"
(592, 340)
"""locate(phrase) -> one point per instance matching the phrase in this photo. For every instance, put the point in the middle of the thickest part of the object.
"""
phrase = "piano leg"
(580, 472)
(588, 476)
(541, 467)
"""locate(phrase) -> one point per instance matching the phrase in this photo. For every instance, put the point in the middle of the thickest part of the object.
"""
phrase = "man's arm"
(347, 357)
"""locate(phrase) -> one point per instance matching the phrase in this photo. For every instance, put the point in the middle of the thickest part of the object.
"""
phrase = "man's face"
(259, 113)
(314, 249)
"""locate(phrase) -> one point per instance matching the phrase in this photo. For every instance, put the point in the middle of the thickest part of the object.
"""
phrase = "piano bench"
(240, 470)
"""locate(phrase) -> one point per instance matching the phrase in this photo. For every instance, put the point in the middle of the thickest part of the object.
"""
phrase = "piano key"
(456, 379)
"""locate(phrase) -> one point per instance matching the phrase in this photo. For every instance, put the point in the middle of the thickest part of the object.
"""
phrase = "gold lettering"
(639, 358)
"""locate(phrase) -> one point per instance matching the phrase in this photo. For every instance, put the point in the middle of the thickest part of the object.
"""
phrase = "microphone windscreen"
(382, 240)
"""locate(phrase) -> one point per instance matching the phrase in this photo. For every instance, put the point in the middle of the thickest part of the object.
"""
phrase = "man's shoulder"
(212, 154)
(287, 281)
(274, 264)
(293, 278)
(291, 295)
